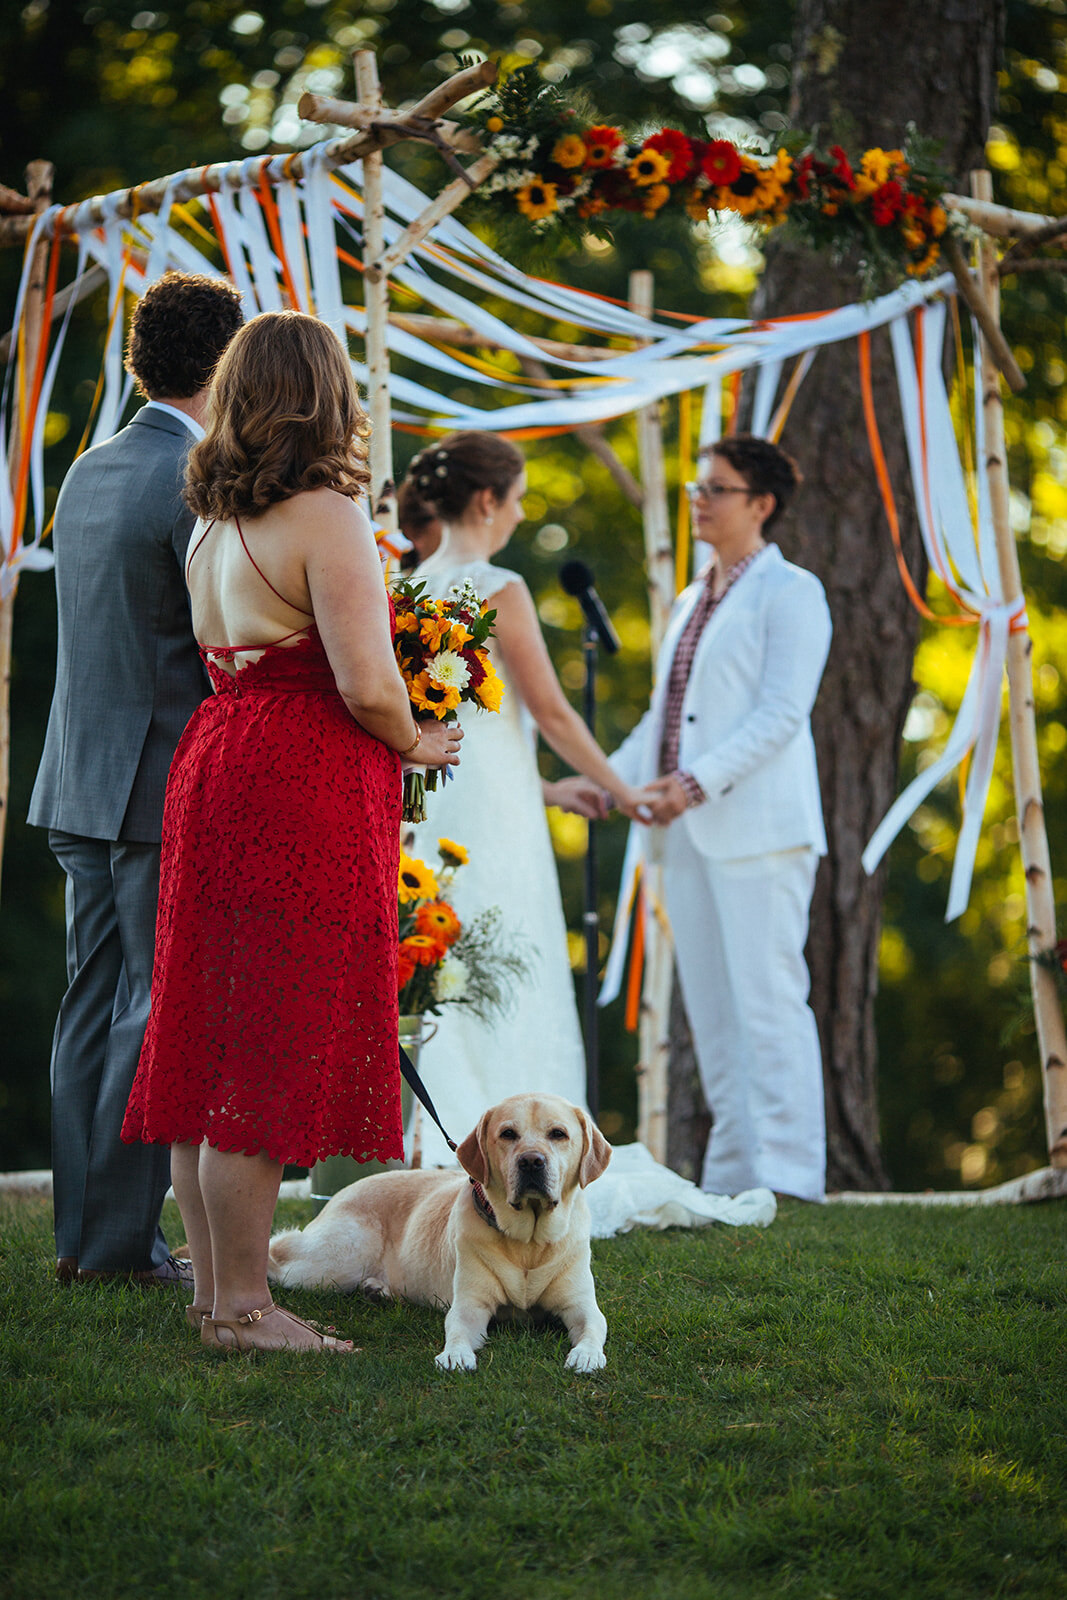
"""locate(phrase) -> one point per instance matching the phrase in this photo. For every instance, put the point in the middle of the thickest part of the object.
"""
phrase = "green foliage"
(854, 1402)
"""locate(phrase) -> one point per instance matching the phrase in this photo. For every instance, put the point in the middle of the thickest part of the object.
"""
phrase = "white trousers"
(739, 933)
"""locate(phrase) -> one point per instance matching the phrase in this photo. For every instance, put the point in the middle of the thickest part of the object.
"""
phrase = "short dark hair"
(179, 329)
(283, 416)
(765, 468)
(448, 475)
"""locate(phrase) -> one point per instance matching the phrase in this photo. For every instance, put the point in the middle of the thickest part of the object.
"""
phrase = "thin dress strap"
(266, 580)
(228, 651)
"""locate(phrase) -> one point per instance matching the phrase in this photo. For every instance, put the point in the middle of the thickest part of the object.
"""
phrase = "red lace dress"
(274, 997)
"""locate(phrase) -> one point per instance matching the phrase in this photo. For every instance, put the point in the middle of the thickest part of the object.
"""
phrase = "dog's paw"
(456, 1358)
(586, 1358)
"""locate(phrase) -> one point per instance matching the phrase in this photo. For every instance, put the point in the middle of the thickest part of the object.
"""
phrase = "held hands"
(438, 745)
(664, 799)
(579, 795)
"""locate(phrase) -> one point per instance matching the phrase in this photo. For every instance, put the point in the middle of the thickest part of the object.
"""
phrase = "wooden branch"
(1007, 267)
(1026, 769)
(974, 297)
(1022, 249)
(1000, 221)
(320, 108)
(39, 176)
(376, 297)
(12, 201)
(447, 201)
(95, 278)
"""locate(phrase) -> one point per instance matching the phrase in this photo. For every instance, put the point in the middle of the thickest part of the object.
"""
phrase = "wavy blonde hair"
(284, 416)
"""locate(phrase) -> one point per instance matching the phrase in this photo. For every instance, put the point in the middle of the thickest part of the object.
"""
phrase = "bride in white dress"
(494, 807)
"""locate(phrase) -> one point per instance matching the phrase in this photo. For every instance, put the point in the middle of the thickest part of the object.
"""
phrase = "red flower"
(601, 144)
(842, 170)
(720, 162)
(803, 172)
(679, 152)
(887, 203)
(405, 967)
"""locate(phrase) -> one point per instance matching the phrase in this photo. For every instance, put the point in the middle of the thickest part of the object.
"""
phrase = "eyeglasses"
(713, 491)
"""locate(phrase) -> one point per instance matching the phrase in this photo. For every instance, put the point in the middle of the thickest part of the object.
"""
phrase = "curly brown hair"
(283, 416)
(448, 475)
(765, 468)
(179, 329)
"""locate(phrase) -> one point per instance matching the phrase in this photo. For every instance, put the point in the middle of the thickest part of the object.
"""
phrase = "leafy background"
(116, 93)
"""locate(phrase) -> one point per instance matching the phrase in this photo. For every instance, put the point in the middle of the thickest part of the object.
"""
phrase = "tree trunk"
(861, 74)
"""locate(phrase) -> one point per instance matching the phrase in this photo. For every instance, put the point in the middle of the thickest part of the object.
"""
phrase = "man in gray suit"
(128, 678)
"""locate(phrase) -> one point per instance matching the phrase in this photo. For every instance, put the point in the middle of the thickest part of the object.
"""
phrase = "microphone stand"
(591, 915)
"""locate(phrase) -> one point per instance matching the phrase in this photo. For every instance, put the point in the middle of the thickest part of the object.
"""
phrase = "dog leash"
(421, 1093)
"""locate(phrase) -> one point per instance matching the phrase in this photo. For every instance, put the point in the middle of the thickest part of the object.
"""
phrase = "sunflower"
(600, 146)
(438, 921)
(429, 696)
(568, 151)
(536, 199)
(452, 854)
(648, 167)
(919, 269)
(422, 949)
(415, 880)
(491, 689)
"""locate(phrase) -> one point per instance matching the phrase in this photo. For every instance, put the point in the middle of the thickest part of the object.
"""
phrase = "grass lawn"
(853, 1404)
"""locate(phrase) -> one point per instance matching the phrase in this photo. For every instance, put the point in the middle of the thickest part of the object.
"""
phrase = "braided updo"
(448, 475)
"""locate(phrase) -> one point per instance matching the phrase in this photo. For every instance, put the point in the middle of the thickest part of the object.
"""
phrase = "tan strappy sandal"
(194, 1316)
(209, 1333)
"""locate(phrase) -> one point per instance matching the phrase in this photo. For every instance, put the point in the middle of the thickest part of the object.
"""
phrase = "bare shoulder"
(328, 512)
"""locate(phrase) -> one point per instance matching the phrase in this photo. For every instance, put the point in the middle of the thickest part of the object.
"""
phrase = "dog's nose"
(531, 1161)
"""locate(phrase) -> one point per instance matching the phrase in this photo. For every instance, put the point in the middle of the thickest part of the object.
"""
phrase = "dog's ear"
(472, 1154)
(596, 1151)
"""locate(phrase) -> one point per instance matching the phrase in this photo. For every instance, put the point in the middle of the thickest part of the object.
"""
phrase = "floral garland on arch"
(564, 172)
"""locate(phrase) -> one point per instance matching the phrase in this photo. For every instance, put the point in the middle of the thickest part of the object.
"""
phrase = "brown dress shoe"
(170, 1274)
(67, 1269)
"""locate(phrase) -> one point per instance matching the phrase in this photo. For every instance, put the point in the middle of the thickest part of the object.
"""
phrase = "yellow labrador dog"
(512, 1236)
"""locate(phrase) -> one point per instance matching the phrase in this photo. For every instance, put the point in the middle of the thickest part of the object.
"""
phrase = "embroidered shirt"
(681, 666)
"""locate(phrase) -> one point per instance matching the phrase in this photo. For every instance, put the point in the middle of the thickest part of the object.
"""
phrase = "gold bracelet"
(410, 751)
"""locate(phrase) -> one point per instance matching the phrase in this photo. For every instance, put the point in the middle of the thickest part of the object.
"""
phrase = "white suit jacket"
(746, 729)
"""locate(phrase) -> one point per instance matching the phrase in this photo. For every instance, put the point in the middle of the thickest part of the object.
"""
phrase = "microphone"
(576, 579)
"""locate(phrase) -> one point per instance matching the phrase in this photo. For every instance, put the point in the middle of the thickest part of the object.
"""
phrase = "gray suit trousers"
(107, 1195)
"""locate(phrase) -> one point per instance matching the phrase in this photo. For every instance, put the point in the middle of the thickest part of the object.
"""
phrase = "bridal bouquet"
(441, 651)
(442, 961)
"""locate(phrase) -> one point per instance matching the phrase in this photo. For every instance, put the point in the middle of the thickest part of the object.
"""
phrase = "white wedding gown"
(493, 807)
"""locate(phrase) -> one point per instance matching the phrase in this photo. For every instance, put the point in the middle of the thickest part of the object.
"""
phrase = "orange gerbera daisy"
(424, 950)
(405, 968)
(600, 146)
(438, 921)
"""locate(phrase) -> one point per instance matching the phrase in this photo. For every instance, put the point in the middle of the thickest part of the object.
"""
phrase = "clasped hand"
(438, 745)
(658, 802)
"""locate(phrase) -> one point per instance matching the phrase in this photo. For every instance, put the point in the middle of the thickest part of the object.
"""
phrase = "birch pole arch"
(375, 127)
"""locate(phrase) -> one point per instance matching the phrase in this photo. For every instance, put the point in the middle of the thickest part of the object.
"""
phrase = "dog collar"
(482, 1206)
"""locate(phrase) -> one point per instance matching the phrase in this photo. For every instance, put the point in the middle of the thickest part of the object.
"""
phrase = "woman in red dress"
(272, 1037)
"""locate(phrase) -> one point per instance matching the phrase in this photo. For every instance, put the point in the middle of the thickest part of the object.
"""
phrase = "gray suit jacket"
(128, 674)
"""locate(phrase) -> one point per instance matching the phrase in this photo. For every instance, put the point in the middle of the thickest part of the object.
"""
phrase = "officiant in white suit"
(726, 748)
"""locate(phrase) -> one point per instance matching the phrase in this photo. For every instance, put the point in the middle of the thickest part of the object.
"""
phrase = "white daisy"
(449, 670)
(451, 980)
